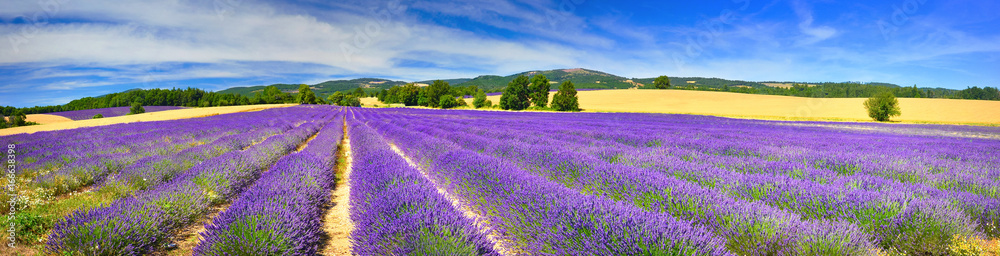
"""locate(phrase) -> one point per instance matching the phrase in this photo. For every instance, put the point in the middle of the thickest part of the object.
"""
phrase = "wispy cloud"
(82, 48)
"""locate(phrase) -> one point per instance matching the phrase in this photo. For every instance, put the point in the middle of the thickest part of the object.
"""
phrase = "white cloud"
(177, 32)
(813, 34)
(129, 42)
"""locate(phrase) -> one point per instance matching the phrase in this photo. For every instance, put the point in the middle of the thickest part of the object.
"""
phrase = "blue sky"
(53, 51)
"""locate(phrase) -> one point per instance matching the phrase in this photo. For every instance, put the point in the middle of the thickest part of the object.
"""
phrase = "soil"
(337, 222)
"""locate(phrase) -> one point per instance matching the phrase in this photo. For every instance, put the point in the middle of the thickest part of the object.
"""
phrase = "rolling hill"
(591, 79)
(324, 88)
(582, 78)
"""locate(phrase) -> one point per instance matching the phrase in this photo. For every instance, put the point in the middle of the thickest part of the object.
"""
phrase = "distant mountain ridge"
(321, 89)
(593, 79)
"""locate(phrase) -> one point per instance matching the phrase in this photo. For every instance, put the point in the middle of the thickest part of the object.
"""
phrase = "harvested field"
(52, 124)
(781, 107)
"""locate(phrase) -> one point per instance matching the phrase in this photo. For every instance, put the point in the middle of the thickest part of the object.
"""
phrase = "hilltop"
(593, 79)
(324, 88)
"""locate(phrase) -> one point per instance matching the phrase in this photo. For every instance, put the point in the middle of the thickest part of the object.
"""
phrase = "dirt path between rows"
(503, 247)
(186, 239)
(337, 223)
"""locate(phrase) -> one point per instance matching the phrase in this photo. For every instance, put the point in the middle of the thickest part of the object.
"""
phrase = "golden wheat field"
(53, 122)
(777, 107)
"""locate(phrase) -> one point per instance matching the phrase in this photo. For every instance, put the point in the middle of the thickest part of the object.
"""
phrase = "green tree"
(3, 122)
(97, 116)
(335, 98)
(882, 106)
(358, 92)
(565, 99)
(422, 99)
(306, 95)
(410, 95)
(662, 82)
(435, 91)
(350, 101)
(447, 101)
(136, 109)
(18, 119)
(479, 100)
(273, 95)
(540, 90)
(515, 96)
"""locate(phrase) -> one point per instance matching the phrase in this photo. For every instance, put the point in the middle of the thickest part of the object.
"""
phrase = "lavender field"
(454, 182)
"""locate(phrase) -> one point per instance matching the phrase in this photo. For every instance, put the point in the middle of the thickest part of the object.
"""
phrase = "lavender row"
(137, 224)
(545, 218)
(749, 227)
(51, 150)
(946, 163)
(281, 213)
(951, 213)
(152, 171)
(399, 212)
(92, 166)
(928, 224)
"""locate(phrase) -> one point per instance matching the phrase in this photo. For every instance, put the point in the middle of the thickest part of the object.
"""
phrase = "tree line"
(854, 90)
(522, 93)
(439, 94)
(519, 94)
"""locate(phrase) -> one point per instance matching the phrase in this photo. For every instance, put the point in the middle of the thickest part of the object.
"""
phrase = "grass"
(33, 224)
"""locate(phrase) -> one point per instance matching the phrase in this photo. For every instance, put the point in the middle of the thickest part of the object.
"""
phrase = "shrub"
(447, 101)
(480, 100)
(336, 98)
(882, 106)
(98, 116)
(18, 119)
(350, 101)
(565, 99)
(136, 109)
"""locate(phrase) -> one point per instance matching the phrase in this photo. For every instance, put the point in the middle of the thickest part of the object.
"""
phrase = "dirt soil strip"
(189, 237)
(504, 247)
(337, 222)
